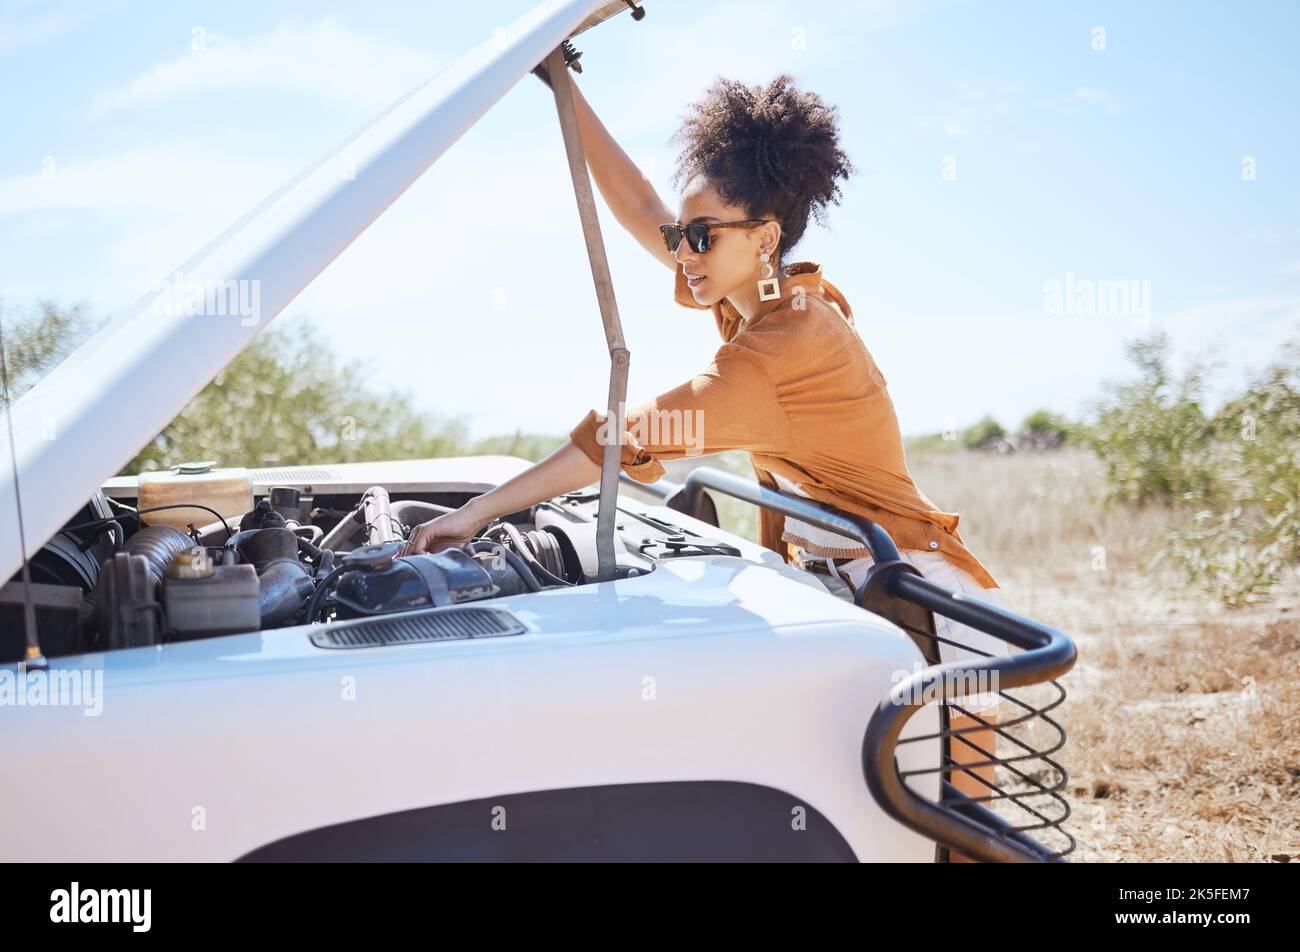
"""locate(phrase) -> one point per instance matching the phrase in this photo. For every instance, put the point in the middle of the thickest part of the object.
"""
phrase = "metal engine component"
(378, 520)
(377, 517)
(128, 611)
(287, 501)
(116, 608)
(271, 574)
(380, 583)
(283, 510)
(203, 599)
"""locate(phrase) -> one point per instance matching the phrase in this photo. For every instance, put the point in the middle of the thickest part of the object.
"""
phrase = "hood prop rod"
(620, 357)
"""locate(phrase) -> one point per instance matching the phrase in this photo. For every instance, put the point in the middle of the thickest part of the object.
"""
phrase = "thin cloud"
(322, 59)
(18, 30)
(976, 107)
(1092, 96)
(156, 178)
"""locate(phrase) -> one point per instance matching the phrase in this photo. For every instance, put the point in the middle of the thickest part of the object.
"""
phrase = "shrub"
(1238, 548)
(1236, 474)
(985, 431)
(1044, 428)
(1152, 434)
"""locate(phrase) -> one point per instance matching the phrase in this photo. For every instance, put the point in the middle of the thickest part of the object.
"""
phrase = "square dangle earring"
(768, 288)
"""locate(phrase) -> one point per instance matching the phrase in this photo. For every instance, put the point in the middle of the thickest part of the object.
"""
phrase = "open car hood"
(66, 446)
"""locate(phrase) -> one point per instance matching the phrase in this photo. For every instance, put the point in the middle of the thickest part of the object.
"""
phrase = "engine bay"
(108, 580)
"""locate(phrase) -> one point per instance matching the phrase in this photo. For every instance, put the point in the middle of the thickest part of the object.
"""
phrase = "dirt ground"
(1183, 717)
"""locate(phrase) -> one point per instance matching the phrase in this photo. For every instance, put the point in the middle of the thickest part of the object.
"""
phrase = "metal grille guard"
(1026, 793)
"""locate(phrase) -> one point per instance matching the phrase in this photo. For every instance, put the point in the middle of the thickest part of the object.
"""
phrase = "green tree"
(529, 446)
(287, 399)
(36, 342)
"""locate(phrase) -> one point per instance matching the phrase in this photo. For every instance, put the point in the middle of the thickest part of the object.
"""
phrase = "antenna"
(33, 660)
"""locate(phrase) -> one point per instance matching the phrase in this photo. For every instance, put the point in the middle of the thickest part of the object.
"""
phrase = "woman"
(792, 383)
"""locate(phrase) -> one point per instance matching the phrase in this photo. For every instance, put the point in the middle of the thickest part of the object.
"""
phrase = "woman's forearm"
(627, 192)
(564, 470)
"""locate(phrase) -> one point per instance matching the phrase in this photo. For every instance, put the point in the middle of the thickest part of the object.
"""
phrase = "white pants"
(935, 567)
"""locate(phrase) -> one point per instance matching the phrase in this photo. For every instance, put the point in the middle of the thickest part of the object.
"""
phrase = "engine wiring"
(100, 523)
(111, 525)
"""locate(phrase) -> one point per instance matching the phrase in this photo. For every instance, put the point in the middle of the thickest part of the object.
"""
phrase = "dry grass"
(1183, 717)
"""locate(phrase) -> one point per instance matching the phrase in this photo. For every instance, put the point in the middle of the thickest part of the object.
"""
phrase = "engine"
(98, 586)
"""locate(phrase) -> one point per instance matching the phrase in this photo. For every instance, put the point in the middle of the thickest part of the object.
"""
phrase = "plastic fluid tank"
(229, 491)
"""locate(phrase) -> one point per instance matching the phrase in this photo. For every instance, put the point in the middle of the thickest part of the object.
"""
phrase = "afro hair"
(772, 148)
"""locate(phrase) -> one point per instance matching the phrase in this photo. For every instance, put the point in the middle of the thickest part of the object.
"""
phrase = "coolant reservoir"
(228, 491)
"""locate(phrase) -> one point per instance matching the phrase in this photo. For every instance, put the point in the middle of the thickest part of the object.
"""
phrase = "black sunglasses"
(697, 233)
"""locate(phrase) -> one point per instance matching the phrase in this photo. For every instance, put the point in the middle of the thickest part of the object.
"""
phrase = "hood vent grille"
(453, 624)
(303, 474)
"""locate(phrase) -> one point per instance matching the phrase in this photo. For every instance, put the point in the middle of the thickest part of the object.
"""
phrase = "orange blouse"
(797, 389)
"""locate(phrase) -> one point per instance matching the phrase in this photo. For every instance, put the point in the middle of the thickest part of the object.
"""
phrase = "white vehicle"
(604, 676)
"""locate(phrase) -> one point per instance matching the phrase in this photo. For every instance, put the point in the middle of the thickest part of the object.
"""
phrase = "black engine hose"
(309, 549)
(159, 545)
(313, 607)
(326, 563)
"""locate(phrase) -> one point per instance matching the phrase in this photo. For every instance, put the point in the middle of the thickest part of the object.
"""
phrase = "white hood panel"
(154, 358)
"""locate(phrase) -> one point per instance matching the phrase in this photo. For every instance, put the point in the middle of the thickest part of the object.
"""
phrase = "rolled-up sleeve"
(731, 405)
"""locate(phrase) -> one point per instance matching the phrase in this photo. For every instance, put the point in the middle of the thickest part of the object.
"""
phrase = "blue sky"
(998, 150)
